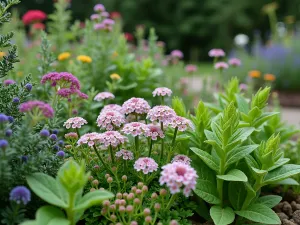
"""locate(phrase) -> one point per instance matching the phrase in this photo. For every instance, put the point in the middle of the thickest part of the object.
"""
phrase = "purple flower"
(177, 54)
(28, 86)
(90, 139)
(56, 147)
(125, 154)
(216, 52)
(55, 131)
(53, 137)
(8, 82)
(112, 107)
(221, 66)
(20, 194)
(3, 143)
(154, 132)
(44, 133)
(24, 158)
(16, 100)
(234, 62)
(8, 133)
(112, 138)
(63, 79)
(60, 154)
(146, 165)
(191, 68)
(103, 95)
(45, 108)
(99, 8)
(61, 143)
(135, 129)
(182, 159)
(3, 118)
(11, 119)
(95, 16)
(181, 123)
(136, 105)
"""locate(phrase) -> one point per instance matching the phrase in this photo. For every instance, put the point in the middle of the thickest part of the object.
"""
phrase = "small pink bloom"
(216, 52)
(99, 8)
(135, 129)
(136, 105)
(43, 107)
(75, 122)
(181, 123)
(154, 132)
(8, 82)
(95, 17)
(163, 114)
(234, 62)
(191, 68)
(112, 138)
(182, 159)
(146, 165)
(162, 91)
(125, 154)
(177, 54)
(243, 87)
(90, 139)
(109, 120)
(113, 107)
(221, 66)
(103, 95)
(63, 79)
(105, 14)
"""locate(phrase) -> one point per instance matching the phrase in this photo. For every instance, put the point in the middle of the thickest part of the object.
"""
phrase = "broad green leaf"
(93, 198)
(251, 162)
(237, 194)
(242, 104)
(29, 222)
(222, 216)
(258, 171)
(264, 117)
(202, 208)
(279, 163)
(282, 173)
(216, 109)
(207, 158)
(288, 181)
(46, 188)
(59, 221)
(127, 87)
(46, 213)
(239, 153)
(242, 134)
(259, 213)
(269, 200)
(234, 175)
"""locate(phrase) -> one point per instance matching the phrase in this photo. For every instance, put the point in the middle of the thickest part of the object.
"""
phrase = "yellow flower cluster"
(2, 54)
(115, 76)
(64, 56)
(84, 59)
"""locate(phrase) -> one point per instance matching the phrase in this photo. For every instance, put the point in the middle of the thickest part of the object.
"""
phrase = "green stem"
(70, 213)
(111, 154)
(77, 131)
(219, 181)
(171, 201)
(174, 138)
(150, 148)
(137, 145)
(162, 143)
(162, 100)
(102, 161)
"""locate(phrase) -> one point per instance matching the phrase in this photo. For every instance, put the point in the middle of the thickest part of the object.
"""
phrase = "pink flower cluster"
(146, 165)
(106, 25)
(191, 68)
(162, 91)
(221, 66)
(125, 154)
(178, 175)
(43, 107)
(63, 79)
(136, 105)
(112, 138)
(33, 16)
(182, 159)
(135, 129)
(67, 93)
(243, 87)
(109, 120)
(181, 123)
(112, 107)
(99, 8)
(154, 132)
(90, 139)
(177, 54)
(216, 52)
(161, 113)
(234, 62)
(103, 95)
(8, 82)
(75, 122)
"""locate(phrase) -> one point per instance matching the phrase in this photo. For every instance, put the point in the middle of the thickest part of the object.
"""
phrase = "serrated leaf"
(282, 173)
(207, 158)
(239, 153)
(259, 213)
(269, 200)
(234, 175)
(222, 216)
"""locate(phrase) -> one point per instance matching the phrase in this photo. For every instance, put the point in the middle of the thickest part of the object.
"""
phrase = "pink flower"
(99, 26)
(162, 91)
(95, 17)
(33, 16)
(182, 159)
(221, 66)
(191, 68)
(177, 54)
(63, 79)
(161, 113)
(154, 132)
(243, 87)
(113, 107)
(99, 8)
(8, 82)
(125, 154)
(136, 105)
(108, 22)
(146, 165)
(105, 14)
(90, 139)
(181, 123)
(135, 129)
(178, 175)
(234, 62)
(43, 107)
(109, 120)
(216, 52)
(103, 95)
(112, 138)
(82, 95)
(75, 122)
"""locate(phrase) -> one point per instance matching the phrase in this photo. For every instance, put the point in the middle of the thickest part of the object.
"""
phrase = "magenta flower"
(216, 52)
(112, 107)
(112, 138)
(154, 132)
(99, 26)
(99, 8)
(109, 120)
(8, 82)
(146, 165)
(67, 93)
(178, 175)
(103, 95)
(181, 123)
(243, 87)
(234, 62)
(125, 154)
(182, 159)
(75, 122)
(136, 105)
(162, 91)
(105, 14)
(161, 113)
(221, 66)
(91, 139)
(82, 95)
(191, 68)
(63, 79)
(95, 17)
(177, 54)
(135, 129)
(42, 107)
(108, 22)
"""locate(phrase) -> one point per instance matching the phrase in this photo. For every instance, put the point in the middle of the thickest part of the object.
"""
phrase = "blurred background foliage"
(194, 26)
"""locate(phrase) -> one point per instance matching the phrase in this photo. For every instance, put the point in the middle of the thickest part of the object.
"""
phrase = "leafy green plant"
(64, 192)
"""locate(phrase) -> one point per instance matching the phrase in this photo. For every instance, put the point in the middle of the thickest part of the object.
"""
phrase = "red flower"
(39, 26)
(128, 36)
(32, 16)
(115, 15)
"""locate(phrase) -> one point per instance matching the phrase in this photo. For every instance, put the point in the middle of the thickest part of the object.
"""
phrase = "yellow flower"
(269, 77)
(19, 73)
(115, 76)
(63, 56)
(84, 58)
(2, 54)
(254, 74)
(115, 54)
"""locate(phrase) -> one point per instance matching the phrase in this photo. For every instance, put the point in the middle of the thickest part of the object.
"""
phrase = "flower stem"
(162, 143)
(70, 213)
(77, 131)
(150, 148)
(137, 145)
(174, 138)
(102, 161)
(111, 154)
(162, 100)
(171, 201)
(219, 181)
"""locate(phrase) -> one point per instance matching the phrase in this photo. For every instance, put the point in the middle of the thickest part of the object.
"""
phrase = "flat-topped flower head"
(135, 129)
(235, 62)
(162, 91)
(146, 165)
(45, 109)
(84, 59)
(75, 122)
(108, 22)
(20, 194)
(109, 120)
(112, 138)
(90, 139)
(182, 159)
(254, 74)
(161, 113)
(154, 132)
(95, 17)
(63, 79)
(177, 54)
(269, 77)
(33, 16)
(68, 92)
(179, 177)
(216, 52)
(8, 82)
(99, 8)
(105, 14)
(124, 154)
(112, 107)
(136, 105)
(191, 68)
(181, 123)
(64, 56)
(103, 95)
(221, 66)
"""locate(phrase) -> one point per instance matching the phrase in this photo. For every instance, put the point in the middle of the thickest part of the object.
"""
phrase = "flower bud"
(133, 223)
(112, 208)
(91, 178)
(101, 189)
(122, 202)
(119, 195)
(159, 223)
(137, 201)
(109, 180)
(71, 135)
(148, 219)
(125, 195)
(157, 207)
(95, 182)
(8, 132)
(174, 222)
(130, 196)
(107, 176)
(103, 211)
(114, 169)
(106, 203)
(154, 196)
(96, 167)
(138, 191)
(129, 209)
(92, 189)
(122, 209)
(124, 178)
(145, 189)
(68, 146)
(140, 184)
(133, 189)
(113, 217)
(163, 192)
(147, 212)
